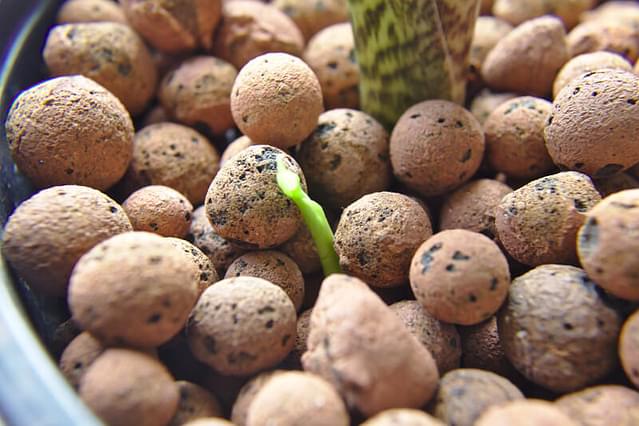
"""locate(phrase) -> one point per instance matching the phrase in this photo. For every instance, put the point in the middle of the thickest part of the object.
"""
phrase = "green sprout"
(313, 215)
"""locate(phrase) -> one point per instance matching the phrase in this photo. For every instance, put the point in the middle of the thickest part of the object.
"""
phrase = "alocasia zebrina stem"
(411, 50)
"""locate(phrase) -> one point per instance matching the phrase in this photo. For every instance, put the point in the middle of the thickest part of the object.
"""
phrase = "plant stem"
(313, 215)
(411, 50)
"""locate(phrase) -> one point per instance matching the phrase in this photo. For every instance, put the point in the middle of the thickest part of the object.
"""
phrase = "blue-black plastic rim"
(33, 392)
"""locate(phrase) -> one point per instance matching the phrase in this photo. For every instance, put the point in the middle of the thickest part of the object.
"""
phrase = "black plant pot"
(32, 390)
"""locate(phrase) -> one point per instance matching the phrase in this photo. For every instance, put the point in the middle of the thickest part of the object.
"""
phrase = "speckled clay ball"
(198, 92)
(481, 348)
(174, 26)
(472, 206)
(83, 135)
(46, 235)
(244, 203)
(486, 102)
(464, 394)
(594, 124)
(518, 11)
(159, 209)
(136, 288)
(296, 397)
(488, 31)
(442, 340)
(235, 147)
(359, 345)
(402, 417)
(331, 55)
(629, 348)
(312, 16)
(209, 421)
(208, 275)
(608, 247)
(529, 412)
(585, 63)
(176, 156)
(276, 100)
(606, 34)
(515, 142)
(602, 406)
(250, 29)
(273, 266)
(435, 147)
(301, 248)
(195, 402)
(78, 357)
(303, 330)
(616, 183)
(242, 325)
(528, 58)
(126, 387)
(538, 222)
(110, 53)
(220, 252)
(557, 330)
(460, 276)
(90, 11)
(246, 395)
(345, 158)
(377, 236)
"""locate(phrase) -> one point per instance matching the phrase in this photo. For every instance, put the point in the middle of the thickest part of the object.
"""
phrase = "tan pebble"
(174, 26)
(345, 157)
(159, 209)
(515, 142)
(242, 325)
(220, 252)
(435, 147)
(519, 11)
(378, 234)
(48, 233)
(109, 53)
(605, 34)
(235, 147)
(195, 402)
(313, 16)
(629, 348)
(485, 103)
(602, 405)
(247, 394)
(250, 29)
(90, 11)
(460, 276)
(472, 206)
(538, 222)
(136, 288)
(198, 92)
(488, 31)
(528, 58)
(83, 136)
(558, 306)
(310, 400)
(245, 205)
(301, 248)
(176, 156)
(276, 100)
(273, 266)
(528, 412)
(607, 246)
(585, 63)
(78, 357)
(151, 396)
(442, 340)
(208, 275)
(402, 417)
(359, 345)
(464, 394)
(331, 55)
